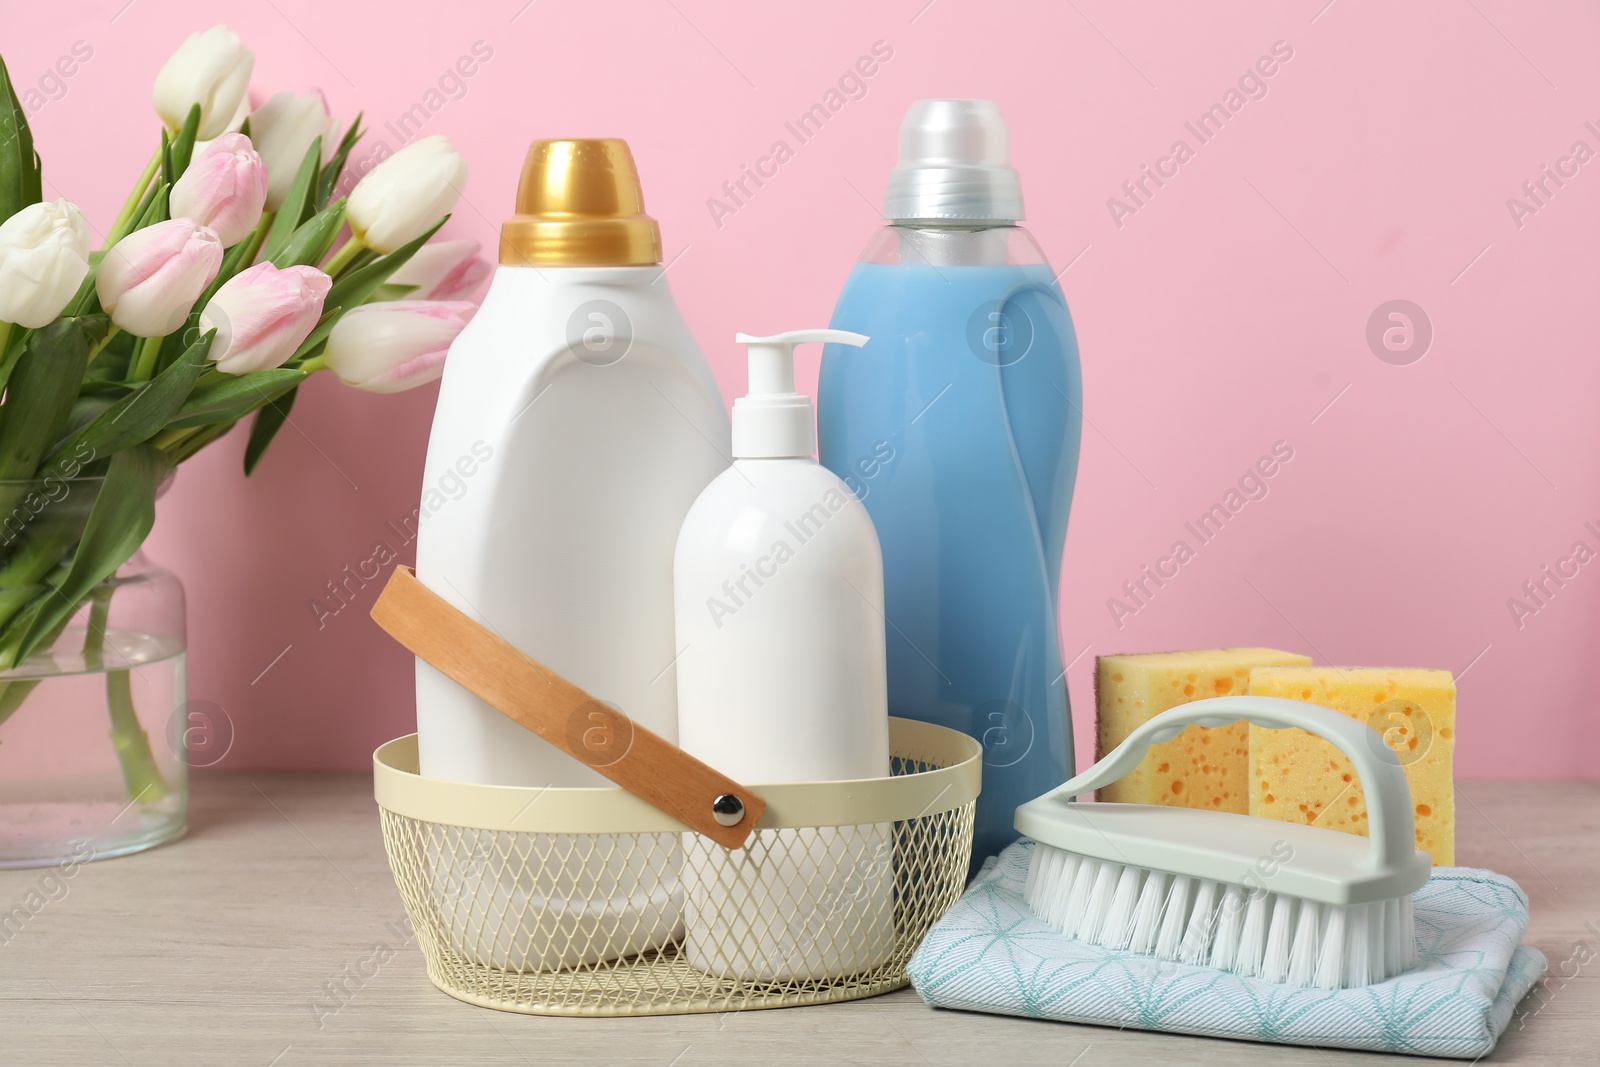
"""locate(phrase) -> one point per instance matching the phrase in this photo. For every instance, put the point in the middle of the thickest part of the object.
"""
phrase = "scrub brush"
(1288, 903)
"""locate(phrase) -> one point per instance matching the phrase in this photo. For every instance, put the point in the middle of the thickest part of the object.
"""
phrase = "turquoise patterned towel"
(989, 953)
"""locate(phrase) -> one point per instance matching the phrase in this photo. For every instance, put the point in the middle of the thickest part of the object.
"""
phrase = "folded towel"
(990, 953)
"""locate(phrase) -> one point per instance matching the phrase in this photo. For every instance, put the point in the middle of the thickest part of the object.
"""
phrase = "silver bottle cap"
(955, 163)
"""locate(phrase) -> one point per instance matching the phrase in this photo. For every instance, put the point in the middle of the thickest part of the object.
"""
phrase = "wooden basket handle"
(536, 697)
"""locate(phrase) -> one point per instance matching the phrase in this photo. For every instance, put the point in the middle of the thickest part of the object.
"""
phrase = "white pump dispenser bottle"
(778, 591)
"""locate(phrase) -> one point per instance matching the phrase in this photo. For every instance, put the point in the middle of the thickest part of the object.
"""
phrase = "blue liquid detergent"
(958, 427)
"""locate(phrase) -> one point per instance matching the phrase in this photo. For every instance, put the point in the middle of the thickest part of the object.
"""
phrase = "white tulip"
(282, 129)
(44, 255)
(406, 193)
(394, 346)
(211, 69)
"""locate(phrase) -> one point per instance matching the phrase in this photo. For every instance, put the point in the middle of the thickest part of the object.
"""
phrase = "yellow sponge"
(1200, 768)
(1299, 778)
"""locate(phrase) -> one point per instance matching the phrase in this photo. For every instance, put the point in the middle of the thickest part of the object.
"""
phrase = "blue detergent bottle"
(958, 427)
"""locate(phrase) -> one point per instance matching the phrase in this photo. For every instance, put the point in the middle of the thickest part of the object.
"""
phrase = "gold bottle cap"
(579, 205)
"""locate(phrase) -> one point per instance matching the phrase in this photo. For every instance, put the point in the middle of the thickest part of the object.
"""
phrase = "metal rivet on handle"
(727, 809)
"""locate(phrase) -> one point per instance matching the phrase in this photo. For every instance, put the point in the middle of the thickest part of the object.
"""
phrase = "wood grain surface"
(273, 935)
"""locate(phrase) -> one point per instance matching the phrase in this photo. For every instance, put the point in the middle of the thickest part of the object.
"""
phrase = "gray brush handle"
(1383, 780)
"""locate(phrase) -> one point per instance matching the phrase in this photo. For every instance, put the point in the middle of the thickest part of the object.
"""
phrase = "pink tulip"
(224, 188)
(150, 279)
(390, 347)
(443, 270)
(262, 314)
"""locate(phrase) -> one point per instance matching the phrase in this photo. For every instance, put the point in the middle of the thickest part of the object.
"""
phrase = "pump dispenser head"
(774, 421)
(955, 163)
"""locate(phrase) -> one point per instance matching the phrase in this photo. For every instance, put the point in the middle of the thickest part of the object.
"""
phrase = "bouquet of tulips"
(214, 293)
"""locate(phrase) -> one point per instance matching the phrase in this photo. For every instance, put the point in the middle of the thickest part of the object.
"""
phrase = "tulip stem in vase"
(128, 737)
(131, 743)
(125, 216)
(94, 631)
(315, 363)
(341, 259)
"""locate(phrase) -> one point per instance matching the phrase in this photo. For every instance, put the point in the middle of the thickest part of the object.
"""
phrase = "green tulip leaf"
(109, 368)
(152, 209)
(166, 157)
(335, 167)
(234, 397)
(182, 148)
(34, 568)
(356, 286)
(269, 420)
(33, 180)
(359, 260)
(296, 202)
(13, 352)
(123, 513)
(389, 291)
(318, 337)
(100, 388)
(181, 451)
(20, 177)
(176, 343)
(90, 405)
(359, 285)
(313, 239)
(142, 413)
(39, 396)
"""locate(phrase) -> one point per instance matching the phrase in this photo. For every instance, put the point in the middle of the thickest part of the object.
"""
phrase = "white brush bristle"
(1255, 933)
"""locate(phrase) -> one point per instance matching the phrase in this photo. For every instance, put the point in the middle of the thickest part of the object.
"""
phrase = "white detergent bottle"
(583, 421)
(781, 678)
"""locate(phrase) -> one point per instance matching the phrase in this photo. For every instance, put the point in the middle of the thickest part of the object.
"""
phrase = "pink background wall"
(1229, 312)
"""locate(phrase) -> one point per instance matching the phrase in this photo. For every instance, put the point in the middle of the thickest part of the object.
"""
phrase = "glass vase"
(92, 760)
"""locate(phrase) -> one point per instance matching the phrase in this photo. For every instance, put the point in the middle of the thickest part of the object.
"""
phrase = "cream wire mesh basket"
(592, 902)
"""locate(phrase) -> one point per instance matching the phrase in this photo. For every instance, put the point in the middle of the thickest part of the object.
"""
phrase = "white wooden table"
(224, 950)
